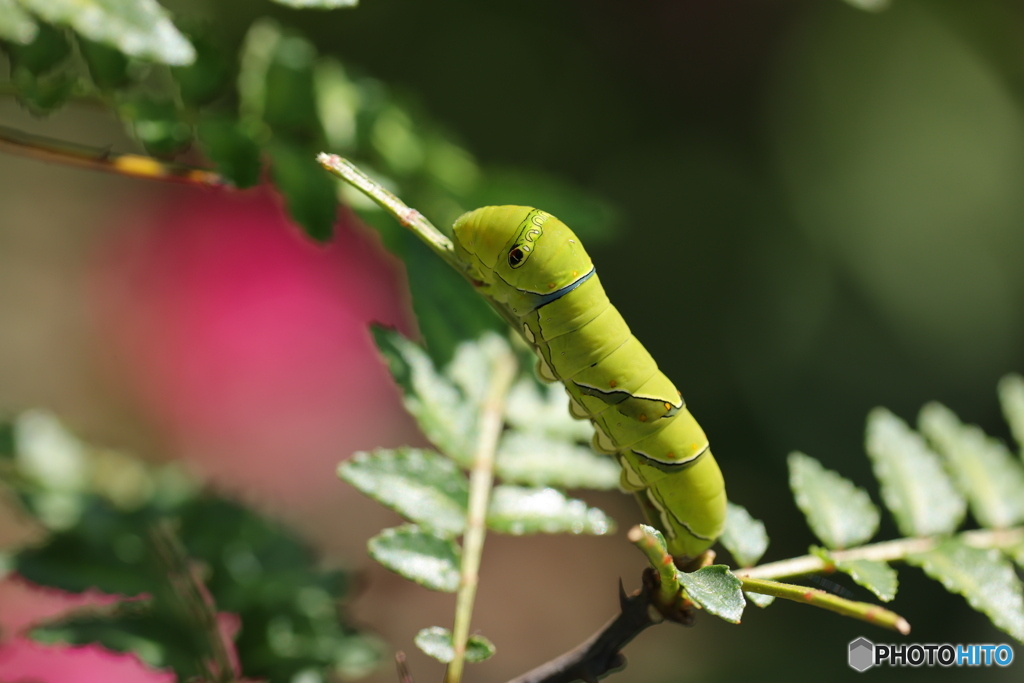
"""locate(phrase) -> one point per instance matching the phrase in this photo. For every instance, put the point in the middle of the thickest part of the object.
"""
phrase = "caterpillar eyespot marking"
(520, 253)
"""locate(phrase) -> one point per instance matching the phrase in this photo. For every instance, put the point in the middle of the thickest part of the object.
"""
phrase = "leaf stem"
(134, 165)
(886, 551)
(480, 480)
(864, 611)
(408, 217)
(668, 586)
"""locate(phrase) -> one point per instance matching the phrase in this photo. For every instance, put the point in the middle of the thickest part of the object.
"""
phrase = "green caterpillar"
(534, 271)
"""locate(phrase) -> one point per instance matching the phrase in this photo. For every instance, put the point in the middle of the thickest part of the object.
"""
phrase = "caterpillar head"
(519, 251)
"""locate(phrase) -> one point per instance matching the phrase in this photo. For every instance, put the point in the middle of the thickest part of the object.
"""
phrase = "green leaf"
(447, 309)
(233, 151)
(760, 599)
(1016, 553)
(717, 590)
(43, 75)
(108, 68)
(421, 556)
(744, 537)
(838, 512)
(446, 406)
(437, 642)
(318, 4)
(48, 48)
(16, 25)
(984, 577)
(140, 28)
(538, 460)
(205, 79)
(289, 105)
(545, 409)
(158, 124)
(915, 487)
(45, 93)
(877, 577)
(983, 468)
(429, 397)
(308, 192)
(516, 510)
(421, 485)
(1011, 396)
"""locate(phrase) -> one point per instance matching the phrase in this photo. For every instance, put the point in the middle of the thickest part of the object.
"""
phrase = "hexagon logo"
(862, 654)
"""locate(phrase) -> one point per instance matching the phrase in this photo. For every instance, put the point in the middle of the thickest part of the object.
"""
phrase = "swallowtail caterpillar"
(534, 270)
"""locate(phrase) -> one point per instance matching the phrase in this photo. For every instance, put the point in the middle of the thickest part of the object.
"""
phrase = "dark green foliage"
(307, 190)
(108, 68)
(185, 557)
(231, 147)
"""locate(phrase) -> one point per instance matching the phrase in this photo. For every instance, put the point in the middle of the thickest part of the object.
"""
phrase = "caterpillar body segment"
(534, 270)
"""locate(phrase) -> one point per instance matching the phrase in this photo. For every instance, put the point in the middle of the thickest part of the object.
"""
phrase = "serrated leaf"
(437, 642)
(839, 513)
(984, 577)
(1011, 397)
(717, 590)
(760, 599)
(423, 486)
(539, 460)
(140, 28)
(516, 510)
(429, 397)
(915, 487)
(877, 577)
(545, 409)
(744, 537)
(16, 25)
(308, 191)
(982, 467)
(233, 151)
(424, 557)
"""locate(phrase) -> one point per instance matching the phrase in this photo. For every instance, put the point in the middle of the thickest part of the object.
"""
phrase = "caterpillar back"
(534, 270)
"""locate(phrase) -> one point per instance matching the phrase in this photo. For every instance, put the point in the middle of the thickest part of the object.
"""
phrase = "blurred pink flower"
(250, 345)
(24, 661)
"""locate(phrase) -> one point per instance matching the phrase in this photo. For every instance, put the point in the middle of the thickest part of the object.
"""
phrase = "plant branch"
(134, 165)
(481, 478)
(600, 654)
(408, 217)
(812, 596)
(887, 551)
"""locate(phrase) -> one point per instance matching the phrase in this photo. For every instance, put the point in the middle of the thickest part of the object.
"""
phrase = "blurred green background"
(818, 210)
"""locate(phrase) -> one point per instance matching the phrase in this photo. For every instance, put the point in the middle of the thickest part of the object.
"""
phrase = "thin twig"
(409, 218)
(812, 596)
(887, 551)
(481, 478)
(134, 165)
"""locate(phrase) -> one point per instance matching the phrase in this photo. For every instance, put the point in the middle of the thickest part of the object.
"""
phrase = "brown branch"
(601, 654)
(134, 165)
